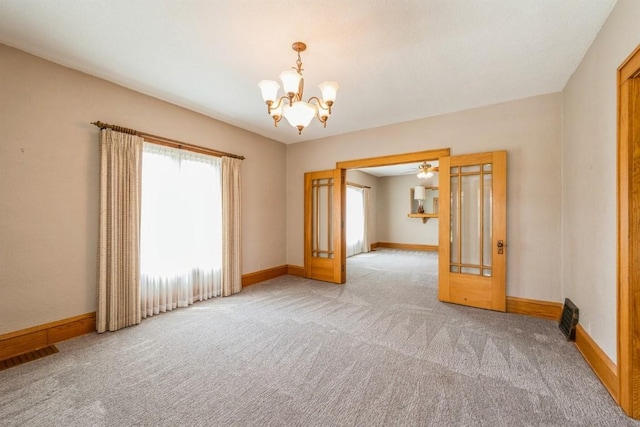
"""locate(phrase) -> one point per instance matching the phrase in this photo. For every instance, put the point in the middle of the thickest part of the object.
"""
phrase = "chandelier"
(291, 105)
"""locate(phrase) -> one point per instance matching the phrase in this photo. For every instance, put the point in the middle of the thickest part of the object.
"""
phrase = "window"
(355, 221)
(181, 228)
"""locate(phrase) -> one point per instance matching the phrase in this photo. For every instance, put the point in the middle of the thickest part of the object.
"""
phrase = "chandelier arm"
(279, 102)
(321, 103)
(321, 120)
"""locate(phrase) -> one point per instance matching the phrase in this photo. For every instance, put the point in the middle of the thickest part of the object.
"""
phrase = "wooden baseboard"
(295, 270)
(26, 340)
(271, 273)
(603, 367)
(405, 246)
(535, 308)
(262, 275)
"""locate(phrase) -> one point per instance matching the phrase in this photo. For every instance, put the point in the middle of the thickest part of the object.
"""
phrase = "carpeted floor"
(378, 351)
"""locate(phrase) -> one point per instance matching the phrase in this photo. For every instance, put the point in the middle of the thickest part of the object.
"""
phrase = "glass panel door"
(324, 231)
(472, 261)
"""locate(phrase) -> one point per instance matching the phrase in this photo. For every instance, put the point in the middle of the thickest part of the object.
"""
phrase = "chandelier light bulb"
(290, 81)
(329, 91)
(269, 89)
(323, 113)
(300, 114)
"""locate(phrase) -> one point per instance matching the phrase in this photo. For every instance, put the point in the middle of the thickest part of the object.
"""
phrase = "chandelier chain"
(299, 68)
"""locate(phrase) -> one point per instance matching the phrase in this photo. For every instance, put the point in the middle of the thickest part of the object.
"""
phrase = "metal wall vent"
(569, 319)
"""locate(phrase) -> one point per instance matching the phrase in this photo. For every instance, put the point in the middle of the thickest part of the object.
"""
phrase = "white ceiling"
(395, 60)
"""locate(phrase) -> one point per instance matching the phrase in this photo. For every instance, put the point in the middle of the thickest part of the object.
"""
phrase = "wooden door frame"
(628, 229)
(394, 159)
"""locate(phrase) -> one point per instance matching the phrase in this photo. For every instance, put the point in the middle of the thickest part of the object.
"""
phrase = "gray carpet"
(378, 351)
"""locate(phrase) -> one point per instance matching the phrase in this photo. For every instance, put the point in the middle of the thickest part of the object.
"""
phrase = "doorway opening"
(400, 201)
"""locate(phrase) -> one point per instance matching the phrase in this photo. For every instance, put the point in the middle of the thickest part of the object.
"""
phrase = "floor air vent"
(27, 357)
(569, 320)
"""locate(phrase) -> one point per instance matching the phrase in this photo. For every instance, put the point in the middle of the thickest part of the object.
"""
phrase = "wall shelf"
(424, 216)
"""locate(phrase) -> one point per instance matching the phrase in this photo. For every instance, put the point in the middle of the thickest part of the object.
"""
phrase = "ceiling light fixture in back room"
(425, 170)
(290, 105)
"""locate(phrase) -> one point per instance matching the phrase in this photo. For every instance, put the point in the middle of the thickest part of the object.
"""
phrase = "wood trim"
(630, 67)
(395, 159)
(405, 246)
(295, 270)
(26, 340)
(535, 308)
(499, 227)
(271, 273)
(628, 233)
(602, 366)
(262, 275)
(27, 357)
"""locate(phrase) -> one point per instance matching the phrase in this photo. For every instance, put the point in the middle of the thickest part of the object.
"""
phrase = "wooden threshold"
(405, 246)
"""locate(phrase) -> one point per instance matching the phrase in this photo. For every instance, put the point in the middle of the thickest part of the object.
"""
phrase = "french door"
(472, 242)
(324, 226)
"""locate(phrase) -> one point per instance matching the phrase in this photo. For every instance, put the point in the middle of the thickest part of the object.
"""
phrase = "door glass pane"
(470, 220)
(322, 240)
(453, 269)
(454, 237)
(486, 272)
(487, 167)
(487, 240)
(470, 270)
(471, 169)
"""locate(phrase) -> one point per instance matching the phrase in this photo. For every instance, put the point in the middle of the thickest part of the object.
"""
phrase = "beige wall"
(529, 129)
(394, 203)
(49, 167)
(589, 169)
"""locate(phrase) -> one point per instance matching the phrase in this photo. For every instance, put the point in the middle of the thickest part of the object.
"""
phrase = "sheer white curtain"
(355, 220)
(366, 195)
(181, 229)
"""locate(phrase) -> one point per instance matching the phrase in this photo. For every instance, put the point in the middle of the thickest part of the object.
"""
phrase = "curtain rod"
(166, 141)
(353, 184)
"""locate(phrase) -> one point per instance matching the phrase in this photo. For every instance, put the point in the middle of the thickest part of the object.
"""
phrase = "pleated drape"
(231, 225)
(119, 239)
